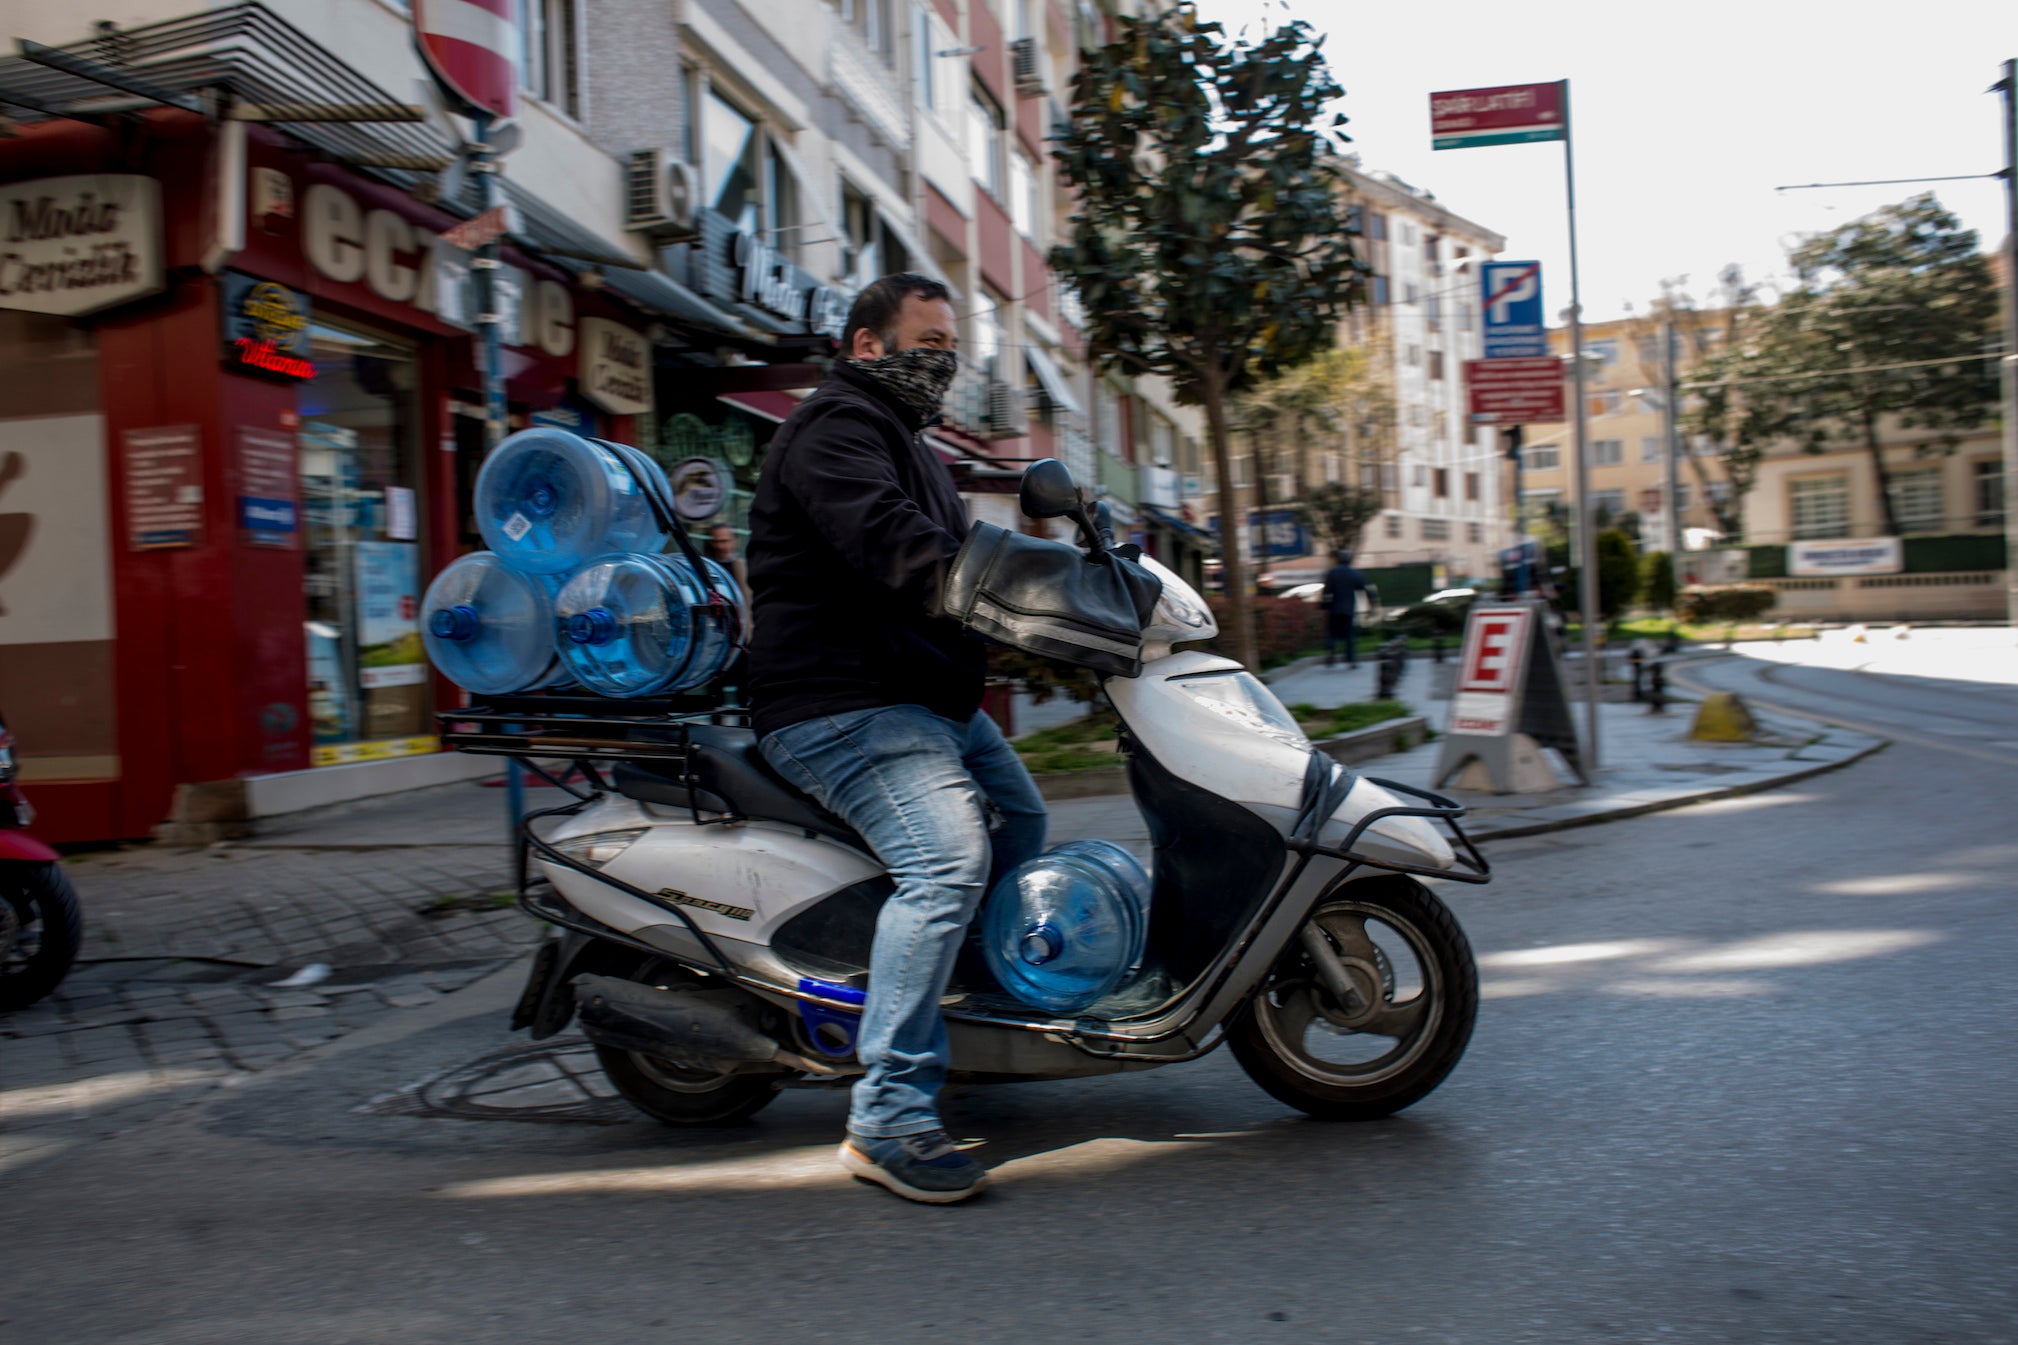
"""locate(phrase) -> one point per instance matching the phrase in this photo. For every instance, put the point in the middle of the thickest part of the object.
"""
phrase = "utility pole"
(2008, 87)
(1672, 415)
(1587, 547)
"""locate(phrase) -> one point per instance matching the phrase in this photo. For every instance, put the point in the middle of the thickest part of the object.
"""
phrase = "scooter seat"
(730, 775)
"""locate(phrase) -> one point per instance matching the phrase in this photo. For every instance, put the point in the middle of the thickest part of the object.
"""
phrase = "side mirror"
(1049, 490)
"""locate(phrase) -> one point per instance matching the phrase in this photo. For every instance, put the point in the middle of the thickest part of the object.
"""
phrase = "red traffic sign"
(1519, 391)
(472, 234)
(1507, 115)
(468, 46)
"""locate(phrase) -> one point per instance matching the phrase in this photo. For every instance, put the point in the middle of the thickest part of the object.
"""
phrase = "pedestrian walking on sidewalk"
(1342, 587)
(869, 700)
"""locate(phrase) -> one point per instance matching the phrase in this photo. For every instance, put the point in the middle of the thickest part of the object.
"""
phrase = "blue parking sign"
(1511, 293)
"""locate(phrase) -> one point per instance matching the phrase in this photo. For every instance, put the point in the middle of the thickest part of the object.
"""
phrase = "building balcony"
(868, 85)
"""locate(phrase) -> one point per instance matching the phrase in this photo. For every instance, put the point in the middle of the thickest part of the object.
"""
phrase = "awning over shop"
(772, 406)
(1053, 378)
(1178, 525)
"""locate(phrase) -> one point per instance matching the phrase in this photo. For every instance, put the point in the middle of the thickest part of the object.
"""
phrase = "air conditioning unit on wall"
(1003, 418)
(1023, 60)
(661, 194)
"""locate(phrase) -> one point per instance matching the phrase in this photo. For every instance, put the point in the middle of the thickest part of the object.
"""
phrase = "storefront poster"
(389, 651)
(164, 487)
(268, 482)
(400, 518)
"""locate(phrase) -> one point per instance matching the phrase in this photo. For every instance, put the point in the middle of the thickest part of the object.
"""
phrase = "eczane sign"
(77, 245)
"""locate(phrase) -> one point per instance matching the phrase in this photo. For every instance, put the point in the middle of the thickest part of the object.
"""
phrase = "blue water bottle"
(1065, 930)
(637, 625)
(489, 629)
(548, 501)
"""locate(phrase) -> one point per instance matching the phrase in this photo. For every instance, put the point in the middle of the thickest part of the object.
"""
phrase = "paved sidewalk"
(406, 898)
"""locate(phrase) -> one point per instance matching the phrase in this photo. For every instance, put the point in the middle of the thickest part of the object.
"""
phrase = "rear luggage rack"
(584, 728)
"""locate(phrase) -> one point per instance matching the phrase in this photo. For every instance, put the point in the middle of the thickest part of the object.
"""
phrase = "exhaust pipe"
(680, 1025)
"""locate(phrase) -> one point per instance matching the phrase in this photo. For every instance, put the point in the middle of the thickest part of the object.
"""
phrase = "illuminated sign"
(266, 328)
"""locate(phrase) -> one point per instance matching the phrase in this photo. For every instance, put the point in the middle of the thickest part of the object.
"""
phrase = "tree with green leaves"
(1618, 573)
(1208, 244)
(1338, 407)
(1657, 581)
(1887, 324)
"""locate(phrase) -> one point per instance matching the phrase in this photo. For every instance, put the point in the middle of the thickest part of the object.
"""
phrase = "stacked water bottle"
(1068, 928)
(575, 590)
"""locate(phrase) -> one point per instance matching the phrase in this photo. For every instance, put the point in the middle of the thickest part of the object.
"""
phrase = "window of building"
(1440, 482)
(1420, 477)
(1649, 349)
(1819, 506)
(1376, 226)
(1987, 480)
(872, 19)
(934, 77)
(1407, 234)
(1162, 437)
(1436, 364)
(984, 348)
(1607, 505)
(1433, 311)
(731, 161)
(1390, 525)
(984, 141)
(1390, 477)
(1606, 349)
(1681, 496)
(1413, 355)
(1379, 291)
(872, 249)
(1542, 457)
(1023, 208)
(1471, 486)
(1435, 529)
(1474, 533)
(1916, 499)
(1411, 292)
(1605, 401)
(1607, 452)
(1650, 448)
(1429, 247)
(552, 51)
(1189, 459)
(1107, 422)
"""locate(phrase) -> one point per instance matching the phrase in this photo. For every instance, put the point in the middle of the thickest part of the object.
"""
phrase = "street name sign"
(1526, 391)
(474, 232)
(1510, 115)
(468, 46)
(1508, 704)
(1511, 293)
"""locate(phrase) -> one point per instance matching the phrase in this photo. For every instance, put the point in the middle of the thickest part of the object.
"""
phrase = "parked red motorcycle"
(41, 923)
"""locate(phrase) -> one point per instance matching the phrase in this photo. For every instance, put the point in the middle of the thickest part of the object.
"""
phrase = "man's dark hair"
(877, 306)
(1342, 556)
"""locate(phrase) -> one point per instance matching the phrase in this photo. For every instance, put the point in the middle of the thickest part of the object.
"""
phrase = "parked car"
(1442, 610)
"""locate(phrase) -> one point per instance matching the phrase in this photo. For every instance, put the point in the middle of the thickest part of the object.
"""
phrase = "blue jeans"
(916, 786)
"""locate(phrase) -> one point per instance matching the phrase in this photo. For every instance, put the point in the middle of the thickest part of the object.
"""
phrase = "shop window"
(57, 547)
(552, 67)
(1819, 506)
(369, 689)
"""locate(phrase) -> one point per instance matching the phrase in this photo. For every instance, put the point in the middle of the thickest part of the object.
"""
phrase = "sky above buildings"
(1686, 119)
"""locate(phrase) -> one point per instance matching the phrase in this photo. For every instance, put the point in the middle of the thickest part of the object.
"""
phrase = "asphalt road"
(1743, 1074)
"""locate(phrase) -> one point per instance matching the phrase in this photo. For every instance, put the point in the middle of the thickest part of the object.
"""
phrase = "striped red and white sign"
(471, 46)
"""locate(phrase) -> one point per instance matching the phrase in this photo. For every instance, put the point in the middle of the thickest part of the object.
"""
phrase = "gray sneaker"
(923, 1167)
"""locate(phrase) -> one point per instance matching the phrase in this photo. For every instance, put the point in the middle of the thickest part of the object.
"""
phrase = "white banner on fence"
(1861, 555)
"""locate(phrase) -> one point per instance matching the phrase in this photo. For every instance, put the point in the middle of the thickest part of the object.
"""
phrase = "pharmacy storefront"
(227, 476)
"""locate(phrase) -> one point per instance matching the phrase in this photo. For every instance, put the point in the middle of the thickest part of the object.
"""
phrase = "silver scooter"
(715, 925)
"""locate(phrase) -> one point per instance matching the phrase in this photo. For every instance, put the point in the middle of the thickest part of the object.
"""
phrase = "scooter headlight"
(598, 848)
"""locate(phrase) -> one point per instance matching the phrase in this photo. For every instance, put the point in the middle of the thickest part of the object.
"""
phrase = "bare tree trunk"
(1233, 571)
(1877, 452)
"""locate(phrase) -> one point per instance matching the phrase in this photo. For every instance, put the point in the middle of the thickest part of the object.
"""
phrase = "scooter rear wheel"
(1405, 1026)
(677, 1095)
(41, 927)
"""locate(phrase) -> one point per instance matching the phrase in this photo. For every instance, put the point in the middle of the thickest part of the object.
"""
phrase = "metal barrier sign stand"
(1508, 704)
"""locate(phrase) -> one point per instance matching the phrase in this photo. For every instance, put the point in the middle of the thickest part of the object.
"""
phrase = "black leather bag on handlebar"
(1051, 599)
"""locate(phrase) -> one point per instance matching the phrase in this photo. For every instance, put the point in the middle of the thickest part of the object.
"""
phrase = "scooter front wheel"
(1400, 1029)
(41, 927)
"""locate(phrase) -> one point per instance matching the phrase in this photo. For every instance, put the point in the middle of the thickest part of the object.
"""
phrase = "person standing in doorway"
(1342, 587)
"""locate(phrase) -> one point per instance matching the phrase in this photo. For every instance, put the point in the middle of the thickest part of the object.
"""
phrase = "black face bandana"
(917, 377)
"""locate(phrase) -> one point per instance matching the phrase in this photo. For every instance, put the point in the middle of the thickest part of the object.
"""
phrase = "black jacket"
(1342, 587)
(853, 524)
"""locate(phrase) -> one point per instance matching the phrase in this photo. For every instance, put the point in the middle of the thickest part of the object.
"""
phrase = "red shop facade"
(228, 469)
